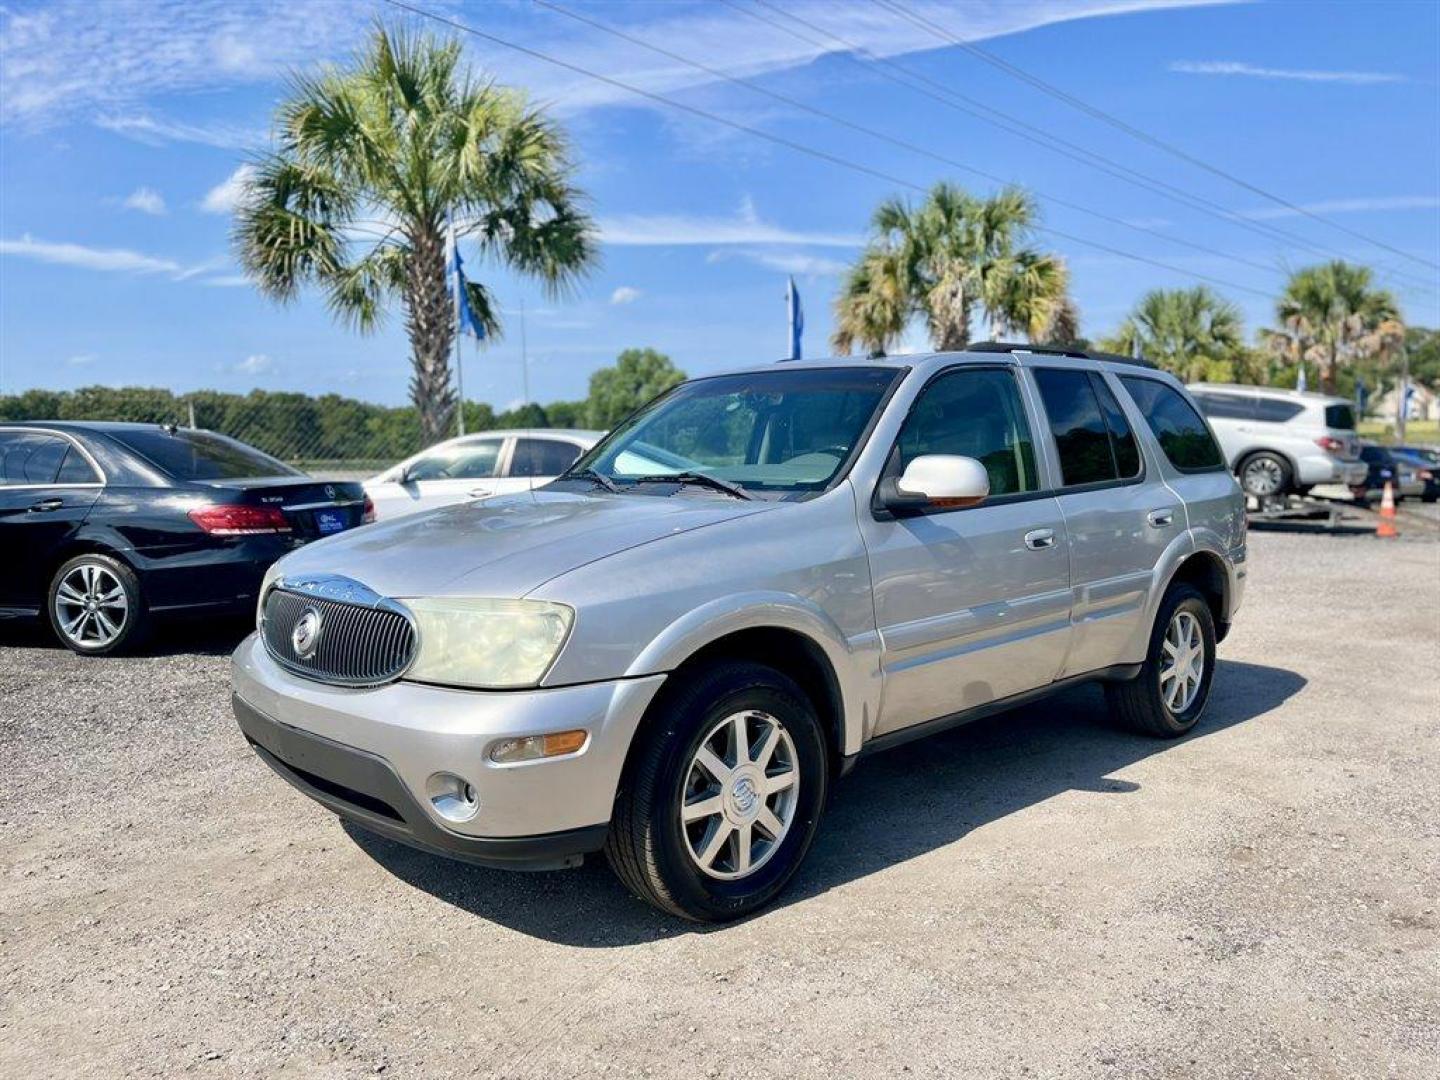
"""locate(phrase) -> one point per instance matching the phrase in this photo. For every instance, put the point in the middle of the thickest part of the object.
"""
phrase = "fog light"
(531, 747)
(452, 796)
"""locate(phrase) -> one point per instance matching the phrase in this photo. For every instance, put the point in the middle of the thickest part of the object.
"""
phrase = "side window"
(977, 413)
(1081, 434)
(1183, 436)
(30, 458)
(1122, 439)
(74, 469)
(1227, 406)
(463, 461)
(1276, 411)
(542, 457)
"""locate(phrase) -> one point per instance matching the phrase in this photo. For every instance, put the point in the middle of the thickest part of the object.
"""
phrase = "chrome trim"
(343, 592)
(324, 505)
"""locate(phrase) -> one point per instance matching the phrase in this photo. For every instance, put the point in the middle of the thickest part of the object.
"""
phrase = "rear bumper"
(363, 788)
(1322, 468)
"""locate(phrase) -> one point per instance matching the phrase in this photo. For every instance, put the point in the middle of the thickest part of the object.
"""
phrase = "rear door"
(1119, 516)
(537, 459)
(47, 487)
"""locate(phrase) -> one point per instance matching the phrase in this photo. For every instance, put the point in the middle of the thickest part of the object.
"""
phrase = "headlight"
(496, 644)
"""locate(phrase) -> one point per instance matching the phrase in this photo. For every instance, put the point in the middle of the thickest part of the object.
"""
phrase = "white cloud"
(105, 259)
(145, 199)
(1348, 206)
(784, 262)
(226, 195)
(659, 230)
(254, 365)
(226, 281)
(625, 294)
(82, 360)
(153, 131)
(1254, 71)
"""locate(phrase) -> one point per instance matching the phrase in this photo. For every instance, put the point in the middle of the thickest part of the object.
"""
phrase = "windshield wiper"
(698, 478)
(593, 476)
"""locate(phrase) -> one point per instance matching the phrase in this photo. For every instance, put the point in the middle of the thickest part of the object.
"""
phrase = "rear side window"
(184, 454)
(1340, 416)
(1277, 411)
(1178, 428)
(1090, 444)
(542, 457)
(76, 470)
(30, 458)
(1227, 406)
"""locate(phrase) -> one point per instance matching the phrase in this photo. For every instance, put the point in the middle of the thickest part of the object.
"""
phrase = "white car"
(476, 467)
(1280, 442)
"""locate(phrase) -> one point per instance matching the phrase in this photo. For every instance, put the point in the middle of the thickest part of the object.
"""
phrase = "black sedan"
(104, 527)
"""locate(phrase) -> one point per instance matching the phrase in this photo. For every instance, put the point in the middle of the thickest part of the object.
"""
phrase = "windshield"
(775, 433)
(186, 454)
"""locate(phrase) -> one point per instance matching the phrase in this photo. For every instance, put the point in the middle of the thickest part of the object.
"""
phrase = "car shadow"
(199, 636)
(893, 807)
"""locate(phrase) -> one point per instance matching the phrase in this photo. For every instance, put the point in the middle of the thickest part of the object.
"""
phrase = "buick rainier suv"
(672, 652)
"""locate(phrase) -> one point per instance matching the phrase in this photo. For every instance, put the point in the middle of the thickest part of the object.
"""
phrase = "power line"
(888, 138)
(790, 144)
(1135, 133)
(953, 99)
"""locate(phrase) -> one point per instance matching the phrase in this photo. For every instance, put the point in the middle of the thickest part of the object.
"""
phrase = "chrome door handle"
(1036, 539)
(44, 506)
(1158, 519)
(478, 493)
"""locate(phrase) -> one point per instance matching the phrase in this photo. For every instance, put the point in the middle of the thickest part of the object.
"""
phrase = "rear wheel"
(724, 797)
(96, 606)
(1169, 695)
(1264, 474)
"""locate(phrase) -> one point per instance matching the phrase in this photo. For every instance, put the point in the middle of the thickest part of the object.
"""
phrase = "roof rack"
(1054, 350)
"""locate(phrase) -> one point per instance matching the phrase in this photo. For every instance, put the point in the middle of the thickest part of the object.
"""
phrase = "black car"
(1426, 463)
(106, 525)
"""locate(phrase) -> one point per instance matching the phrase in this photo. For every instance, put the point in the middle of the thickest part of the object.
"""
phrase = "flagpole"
(790, 318)
(459, 356)
(524, 357)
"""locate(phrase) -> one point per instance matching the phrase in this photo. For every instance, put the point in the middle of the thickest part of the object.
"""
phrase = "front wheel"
(1169, 695)
(96, 606)
(724, 796)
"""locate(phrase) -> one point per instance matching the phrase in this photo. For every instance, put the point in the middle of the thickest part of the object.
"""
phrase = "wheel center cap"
(744, 797)
(91, 605)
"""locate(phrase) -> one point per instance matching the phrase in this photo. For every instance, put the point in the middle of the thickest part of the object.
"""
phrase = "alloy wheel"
(1184, 662)
(740, 795)
(91, 607)
(1263, 476)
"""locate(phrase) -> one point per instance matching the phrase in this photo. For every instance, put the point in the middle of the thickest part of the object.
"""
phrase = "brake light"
(1330, 444)
(368, 514)
(229, 519)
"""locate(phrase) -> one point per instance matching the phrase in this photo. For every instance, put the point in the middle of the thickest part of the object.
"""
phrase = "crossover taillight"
(368, 514)
(232, 519)
(1330, 444)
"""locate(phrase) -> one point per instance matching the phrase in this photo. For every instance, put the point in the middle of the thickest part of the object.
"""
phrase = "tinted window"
(1080, 433)
(30, 458)
(1183, 436)
(185, 454)
(542, 457)
(1122, 439)
(460, 461)
(1277, 411)
(975, 413)
(1227, 406)
(76, 470)
(1340, 416)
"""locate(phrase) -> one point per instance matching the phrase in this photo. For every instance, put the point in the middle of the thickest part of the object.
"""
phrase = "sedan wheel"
(95, 605)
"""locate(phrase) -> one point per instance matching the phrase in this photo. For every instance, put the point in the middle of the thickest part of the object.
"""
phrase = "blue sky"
(122, 125)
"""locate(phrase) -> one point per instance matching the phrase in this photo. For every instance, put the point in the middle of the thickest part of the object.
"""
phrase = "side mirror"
(936, 481)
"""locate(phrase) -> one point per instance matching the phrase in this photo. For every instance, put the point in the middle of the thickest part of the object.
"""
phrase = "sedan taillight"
(368, 515)
(1330, 444)
(229, 519)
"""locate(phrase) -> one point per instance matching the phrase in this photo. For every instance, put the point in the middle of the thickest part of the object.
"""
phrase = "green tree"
(373, 162)
(637, 376)
(1332, 315)
(1423, 346)
(1193, 333)
(944, 260)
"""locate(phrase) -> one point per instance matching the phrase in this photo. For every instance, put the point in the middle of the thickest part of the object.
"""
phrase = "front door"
(450, 473)
(972, 605)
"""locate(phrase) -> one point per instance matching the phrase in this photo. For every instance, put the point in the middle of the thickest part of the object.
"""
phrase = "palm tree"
(371, 165)
(1193, 333)
(1332, 315)
(941, 260)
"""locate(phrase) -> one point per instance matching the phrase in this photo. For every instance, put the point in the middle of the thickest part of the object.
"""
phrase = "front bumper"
(368, 754)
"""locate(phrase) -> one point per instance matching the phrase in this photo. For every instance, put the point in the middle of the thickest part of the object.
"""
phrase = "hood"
(509, 545)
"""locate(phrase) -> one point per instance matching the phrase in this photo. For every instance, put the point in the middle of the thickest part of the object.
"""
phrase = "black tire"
(1429, 497)
(133, 624)
(1304, 489)
(1268, 463)
(1138, 703)
(647, 846)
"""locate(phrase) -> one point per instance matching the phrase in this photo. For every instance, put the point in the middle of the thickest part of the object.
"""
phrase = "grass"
(1426, 432)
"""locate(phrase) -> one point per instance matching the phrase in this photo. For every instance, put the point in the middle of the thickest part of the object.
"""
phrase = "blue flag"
(797, 319)
(466, 319)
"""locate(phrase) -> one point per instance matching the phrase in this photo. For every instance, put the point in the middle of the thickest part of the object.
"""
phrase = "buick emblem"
(330, 491)
(305, 638)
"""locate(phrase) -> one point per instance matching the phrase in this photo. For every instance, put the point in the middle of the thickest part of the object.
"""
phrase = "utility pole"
(524, 357)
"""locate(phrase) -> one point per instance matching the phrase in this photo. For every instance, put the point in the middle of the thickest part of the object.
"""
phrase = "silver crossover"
(672, 651)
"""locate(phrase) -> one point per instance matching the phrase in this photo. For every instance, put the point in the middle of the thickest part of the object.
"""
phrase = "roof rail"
(1054, 350)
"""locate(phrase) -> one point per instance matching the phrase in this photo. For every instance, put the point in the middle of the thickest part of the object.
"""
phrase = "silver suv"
(674, 651)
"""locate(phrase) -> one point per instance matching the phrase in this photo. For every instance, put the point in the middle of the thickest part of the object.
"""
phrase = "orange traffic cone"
(1386, 525)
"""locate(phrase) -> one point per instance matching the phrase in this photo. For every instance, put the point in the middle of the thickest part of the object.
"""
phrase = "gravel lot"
(1033, 896)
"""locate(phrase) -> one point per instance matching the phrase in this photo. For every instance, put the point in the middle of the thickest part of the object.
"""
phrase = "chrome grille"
(359, 644)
